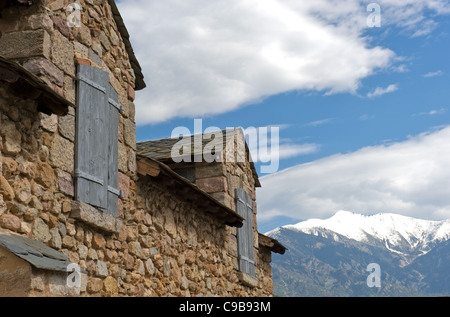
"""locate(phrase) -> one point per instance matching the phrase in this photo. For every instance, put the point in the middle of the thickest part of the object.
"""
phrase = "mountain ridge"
(403, 235)
(329, 257)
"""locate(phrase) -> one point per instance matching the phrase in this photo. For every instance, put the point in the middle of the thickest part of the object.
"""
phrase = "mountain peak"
(395, 231)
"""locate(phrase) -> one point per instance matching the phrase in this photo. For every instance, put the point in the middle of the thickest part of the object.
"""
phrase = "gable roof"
(29, 86)
(161, 150)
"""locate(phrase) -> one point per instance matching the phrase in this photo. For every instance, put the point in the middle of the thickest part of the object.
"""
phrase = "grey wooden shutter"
(96, 140)
(244, 206)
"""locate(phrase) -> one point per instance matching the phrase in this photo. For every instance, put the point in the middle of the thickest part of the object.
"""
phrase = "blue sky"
(355, 95)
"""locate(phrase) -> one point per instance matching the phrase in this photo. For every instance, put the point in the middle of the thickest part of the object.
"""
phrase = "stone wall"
(221, 179)
(191, 253)
(37, 150)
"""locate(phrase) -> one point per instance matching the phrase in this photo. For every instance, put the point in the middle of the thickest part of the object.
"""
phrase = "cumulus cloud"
(379, 91)
(410, 178)
(205, 57)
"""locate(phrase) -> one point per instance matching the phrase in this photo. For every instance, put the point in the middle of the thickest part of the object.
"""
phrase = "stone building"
(84, 210)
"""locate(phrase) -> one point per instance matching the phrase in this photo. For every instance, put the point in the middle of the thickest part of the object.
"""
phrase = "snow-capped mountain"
(407, 236)
(329, 257)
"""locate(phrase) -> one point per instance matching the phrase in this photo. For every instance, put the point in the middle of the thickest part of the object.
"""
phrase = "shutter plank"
(113, 151)
(244, 207)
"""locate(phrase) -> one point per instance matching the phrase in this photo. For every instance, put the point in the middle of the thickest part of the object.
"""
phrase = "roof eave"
(32, 87)
(271, 243)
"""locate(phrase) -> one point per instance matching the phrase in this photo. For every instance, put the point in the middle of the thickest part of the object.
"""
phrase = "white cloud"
(293, 150)
(379, 91)
(284, 151)
(410, 178)
(434, 74)
(265, 144)
(366, 117)
(205, 57)
(413, 16)
(431, 112)
(319, 122)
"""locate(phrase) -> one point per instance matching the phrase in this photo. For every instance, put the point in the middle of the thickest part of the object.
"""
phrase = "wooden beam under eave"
(148, 168)
(8, 75)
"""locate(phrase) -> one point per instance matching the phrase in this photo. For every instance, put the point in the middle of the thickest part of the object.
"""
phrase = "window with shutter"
(246, 253)
(96, 156)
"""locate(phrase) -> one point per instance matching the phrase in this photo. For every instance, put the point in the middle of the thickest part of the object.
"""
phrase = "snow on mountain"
(399, 234)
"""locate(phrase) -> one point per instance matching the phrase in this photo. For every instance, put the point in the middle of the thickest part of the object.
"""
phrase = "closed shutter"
(246, 253)
(96, 167)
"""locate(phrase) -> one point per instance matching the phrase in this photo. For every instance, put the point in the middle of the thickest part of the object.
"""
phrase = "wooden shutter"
(96, 140)
(244, 206)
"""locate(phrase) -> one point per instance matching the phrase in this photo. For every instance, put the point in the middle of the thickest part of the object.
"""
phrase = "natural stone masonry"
(37, 150)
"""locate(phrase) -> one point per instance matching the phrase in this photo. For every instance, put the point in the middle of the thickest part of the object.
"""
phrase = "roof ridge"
(189, 136)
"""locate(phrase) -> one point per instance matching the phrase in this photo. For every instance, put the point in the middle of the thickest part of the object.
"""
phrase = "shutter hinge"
(245, 203)
(115, 105)
(91, 83)
(88, 177)
(246, 259)
(117, 192)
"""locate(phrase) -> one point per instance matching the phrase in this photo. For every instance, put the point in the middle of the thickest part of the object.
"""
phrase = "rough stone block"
(49, 123)
(61, 25)
(209, 170)
(40, 21)
(130, 134)
(66, 127)
(62, 53)
(41, 231)
(25, 44)
(10, 222)
(12, 138)
(124, 185)
(83, 34)
(62, 154)
(43, 67)
(111, 287)
(131, 93)
(213, 184)
(6, 189)
(65, 183)
(2, 205)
